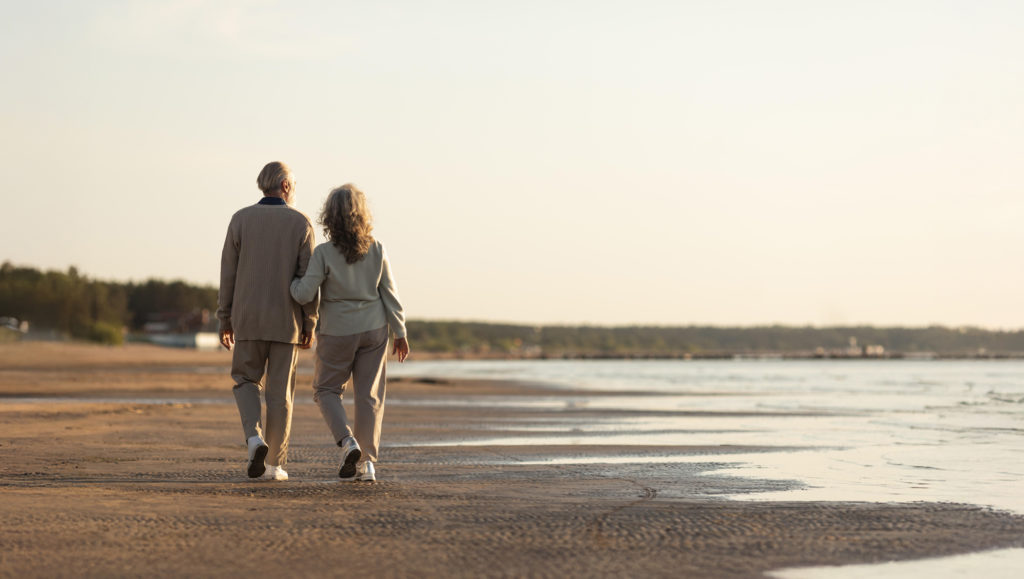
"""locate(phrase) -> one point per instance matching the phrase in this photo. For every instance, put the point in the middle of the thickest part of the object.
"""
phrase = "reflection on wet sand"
(106, 471)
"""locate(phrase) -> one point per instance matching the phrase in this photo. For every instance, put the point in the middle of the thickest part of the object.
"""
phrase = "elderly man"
(268, 244)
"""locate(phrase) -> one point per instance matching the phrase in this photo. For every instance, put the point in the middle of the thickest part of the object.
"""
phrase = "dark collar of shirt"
(272, 201)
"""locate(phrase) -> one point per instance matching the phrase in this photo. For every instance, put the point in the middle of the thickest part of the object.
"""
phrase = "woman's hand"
(401, 349)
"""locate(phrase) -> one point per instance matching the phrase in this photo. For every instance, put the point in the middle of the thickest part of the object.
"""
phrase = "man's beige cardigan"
(266, 247)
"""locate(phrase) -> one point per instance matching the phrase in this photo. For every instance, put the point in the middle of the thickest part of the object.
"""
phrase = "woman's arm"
(389, 295)
(304, 289)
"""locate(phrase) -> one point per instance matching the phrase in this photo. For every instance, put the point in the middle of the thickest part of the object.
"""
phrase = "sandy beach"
(129, 461)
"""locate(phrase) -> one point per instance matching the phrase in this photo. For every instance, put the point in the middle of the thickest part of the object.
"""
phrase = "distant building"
(851, 350)
(196, 329)
(14, 325)
(198, 320)
(12, 330)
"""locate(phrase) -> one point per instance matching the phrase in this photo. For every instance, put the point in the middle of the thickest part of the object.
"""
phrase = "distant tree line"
(628, 341)
(84, 308)
(77, 306)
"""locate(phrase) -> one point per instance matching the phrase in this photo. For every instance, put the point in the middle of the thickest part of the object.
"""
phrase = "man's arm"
(226, 294)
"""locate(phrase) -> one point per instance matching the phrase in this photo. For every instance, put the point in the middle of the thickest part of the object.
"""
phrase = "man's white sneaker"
(276, 473)
(365, 472)
(257, 454)
(350, 453)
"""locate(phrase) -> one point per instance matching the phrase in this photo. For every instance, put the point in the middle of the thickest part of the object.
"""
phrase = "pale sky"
(603, 162)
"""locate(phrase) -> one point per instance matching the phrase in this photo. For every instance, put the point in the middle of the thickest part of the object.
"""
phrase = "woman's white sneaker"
(350, 454)
(257, 454)
(365, 472)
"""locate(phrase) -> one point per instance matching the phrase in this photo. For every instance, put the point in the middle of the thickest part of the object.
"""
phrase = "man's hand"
(401, 349)
(305, 341)
(227, 338)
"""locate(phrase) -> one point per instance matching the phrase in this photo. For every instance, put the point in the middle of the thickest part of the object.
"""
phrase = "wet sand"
(129, 462)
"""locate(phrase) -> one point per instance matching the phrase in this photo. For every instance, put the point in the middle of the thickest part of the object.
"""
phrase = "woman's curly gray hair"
(347, 222)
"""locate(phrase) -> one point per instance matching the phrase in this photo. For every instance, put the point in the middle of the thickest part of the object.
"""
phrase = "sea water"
(848, 430)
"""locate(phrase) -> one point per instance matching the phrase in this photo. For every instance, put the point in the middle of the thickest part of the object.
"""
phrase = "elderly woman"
(358, 302)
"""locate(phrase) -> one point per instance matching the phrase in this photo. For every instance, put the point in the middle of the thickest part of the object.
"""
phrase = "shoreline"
(206, 355)
(125, 488)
